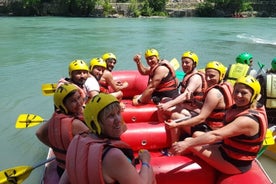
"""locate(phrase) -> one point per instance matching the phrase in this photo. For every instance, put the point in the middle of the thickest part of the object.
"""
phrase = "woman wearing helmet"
(107, 80)
(217, 99)
(96, 70)
(103, 157)
(193, 87)
(66, 122)
(232, 148)
(162, 79)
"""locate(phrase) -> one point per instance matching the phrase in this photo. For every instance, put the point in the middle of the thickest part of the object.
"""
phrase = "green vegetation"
(131, 8)
(215, 8)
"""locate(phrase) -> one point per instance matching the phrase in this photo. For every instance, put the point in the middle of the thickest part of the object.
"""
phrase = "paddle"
(261, 66)
(28, 120)
(269, 140)
(48, 89)
(175, 63)
(18, 174)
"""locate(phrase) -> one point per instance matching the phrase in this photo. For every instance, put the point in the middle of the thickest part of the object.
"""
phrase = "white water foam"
(256, 39)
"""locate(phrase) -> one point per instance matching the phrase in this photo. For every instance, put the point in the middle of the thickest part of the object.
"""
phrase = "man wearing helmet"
(232, 148)
(193, 87)
(65, 122)
(103, 157)
(78, 72)
(107, 78)
(242, 67)
(217, 99)
(162, 80)
(268, 81)
(96, 69)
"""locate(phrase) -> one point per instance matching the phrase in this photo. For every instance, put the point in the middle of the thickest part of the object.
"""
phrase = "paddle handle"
(44, 162)
(181, 119)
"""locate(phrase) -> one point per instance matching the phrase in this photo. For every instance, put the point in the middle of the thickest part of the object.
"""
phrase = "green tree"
(133, 9)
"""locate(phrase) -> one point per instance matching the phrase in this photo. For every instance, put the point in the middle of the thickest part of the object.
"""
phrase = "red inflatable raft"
(145, 132)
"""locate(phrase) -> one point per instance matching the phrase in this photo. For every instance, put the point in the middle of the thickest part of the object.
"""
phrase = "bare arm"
(141, 68)
(159, 74)
(79, 127)
(42, 134)
(241, 125)
(195, 82)
(211, 102)
(116, 86)
(116, 167)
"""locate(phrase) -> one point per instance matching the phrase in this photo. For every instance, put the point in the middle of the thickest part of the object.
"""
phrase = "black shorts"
(242, 165)
(200, 127)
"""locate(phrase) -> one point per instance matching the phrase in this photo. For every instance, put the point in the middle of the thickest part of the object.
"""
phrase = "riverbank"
(176, 8)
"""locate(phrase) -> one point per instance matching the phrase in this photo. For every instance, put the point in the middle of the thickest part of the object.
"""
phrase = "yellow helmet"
(216, 65)
(77, 65)
(61, 93)
(109, 55)
(252, 83)
(93, 109)
(151, 52)
(97, 62)
(191, 55)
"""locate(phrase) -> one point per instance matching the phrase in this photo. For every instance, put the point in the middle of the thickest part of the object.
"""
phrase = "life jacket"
(103, 86)
(168, 83)
(60, 135)
(270, 90)
(244, 147)
(198, 96)
(236, 71)
(85, 155)
(215, 119)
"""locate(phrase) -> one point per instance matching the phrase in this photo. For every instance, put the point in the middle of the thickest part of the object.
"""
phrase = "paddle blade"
(174, 63)
(269, 139)
(28, 120)
(48, 89)
(15, 175)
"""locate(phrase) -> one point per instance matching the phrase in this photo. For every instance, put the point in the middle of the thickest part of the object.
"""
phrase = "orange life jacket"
(60, 135)
(170, 82)
(198, 96)
(244, 147)
(215, 119)
(85, 155)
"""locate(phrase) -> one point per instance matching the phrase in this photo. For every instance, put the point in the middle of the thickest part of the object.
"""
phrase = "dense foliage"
(136, 8)
(214, 8)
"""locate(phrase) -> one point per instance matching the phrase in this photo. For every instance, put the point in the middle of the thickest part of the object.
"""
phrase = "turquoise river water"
(37, 50)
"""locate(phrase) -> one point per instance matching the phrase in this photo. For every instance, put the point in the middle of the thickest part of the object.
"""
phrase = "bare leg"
(212, 155)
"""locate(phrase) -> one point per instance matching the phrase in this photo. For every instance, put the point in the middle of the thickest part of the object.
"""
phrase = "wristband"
(146, 164)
